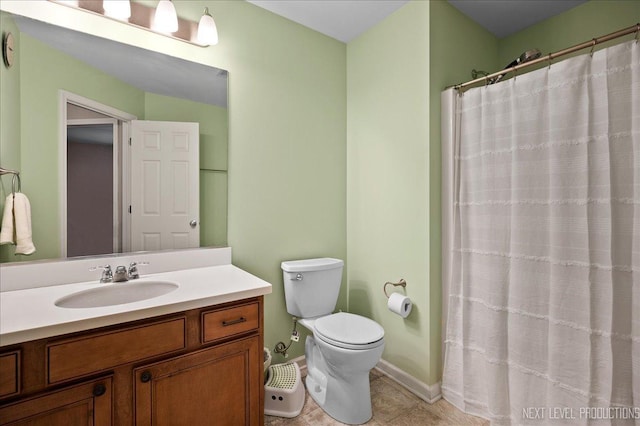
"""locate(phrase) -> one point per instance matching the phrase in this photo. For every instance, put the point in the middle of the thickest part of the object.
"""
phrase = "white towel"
(16, 224)
(7, 232)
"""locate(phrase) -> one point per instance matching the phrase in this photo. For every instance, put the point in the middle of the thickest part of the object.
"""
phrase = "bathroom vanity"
(181, 358)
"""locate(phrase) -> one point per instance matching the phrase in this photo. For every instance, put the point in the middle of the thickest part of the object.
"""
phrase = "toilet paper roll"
(399, 304)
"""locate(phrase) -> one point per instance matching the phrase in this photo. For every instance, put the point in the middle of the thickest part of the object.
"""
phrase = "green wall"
(9, 120)
(395, 74)
(287, 148)
(388, 180)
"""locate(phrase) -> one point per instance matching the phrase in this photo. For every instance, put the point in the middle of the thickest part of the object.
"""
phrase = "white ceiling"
(506, 17)
(345, 20)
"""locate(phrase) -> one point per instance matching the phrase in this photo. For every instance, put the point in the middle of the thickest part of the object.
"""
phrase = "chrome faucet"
(120, 275)
(133, 273)
(107, 273)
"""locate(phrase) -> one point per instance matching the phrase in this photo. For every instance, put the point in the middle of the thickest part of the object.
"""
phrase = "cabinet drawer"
(100, 351)
(229, 321)
(9, 374)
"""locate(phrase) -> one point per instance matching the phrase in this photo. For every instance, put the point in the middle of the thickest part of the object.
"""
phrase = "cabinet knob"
(145, 376)
(99, 389)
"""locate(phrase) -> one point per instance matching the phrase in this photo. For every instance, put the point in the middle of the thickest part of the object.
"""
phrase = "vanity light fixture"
(118, 9)
(207, 30)
(166, 18)
(162, 19)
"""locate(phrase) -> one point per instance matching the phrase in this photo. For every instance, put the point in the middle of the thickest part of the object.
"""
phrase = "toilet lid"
(348, 329)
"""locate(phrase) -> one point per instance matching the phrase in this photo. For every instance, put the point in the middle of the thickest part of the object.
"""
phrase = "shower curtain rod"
(551, 56)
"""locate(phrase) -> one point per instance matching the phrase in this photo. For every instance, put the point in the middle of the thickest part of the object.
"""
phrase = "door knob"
(193, 223)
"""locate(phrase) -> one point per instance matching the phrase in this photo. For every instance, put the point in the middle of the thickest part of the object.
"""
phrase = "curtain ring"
(550, 59)
(593, 45)
(486, 80)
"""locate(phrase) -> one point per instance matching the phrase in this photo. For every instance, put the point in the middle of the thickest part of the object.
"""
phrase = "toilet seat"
(349, 331)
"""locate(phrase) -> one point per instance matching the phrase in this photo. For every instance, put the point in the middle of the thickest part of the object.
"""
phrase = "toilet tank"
(312, 286)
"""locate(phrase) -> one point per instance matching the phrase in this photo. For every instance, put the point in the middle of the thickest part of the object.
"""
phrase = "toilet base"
(344, 394)
(347, 402)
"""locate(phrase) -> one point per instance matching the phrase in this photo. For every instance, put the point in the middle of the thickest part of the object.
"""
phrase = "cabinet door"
(9, 374)
(216, 386)
(82, 405)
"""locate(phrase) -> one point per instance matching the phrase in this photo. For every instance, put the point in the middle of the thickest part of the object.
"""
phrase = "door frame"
(64, 98)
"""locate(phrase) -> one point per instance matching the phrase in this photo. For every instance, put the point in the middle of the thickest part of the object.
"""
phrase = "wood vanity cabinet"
(198, 367)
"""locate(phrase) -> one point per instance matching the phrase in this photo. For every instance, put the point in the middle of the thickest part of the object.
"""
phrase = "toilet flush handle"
(298, 277)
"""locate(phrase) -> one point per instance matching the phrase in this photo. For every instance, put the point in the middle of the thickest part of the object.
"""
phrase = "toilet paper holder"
(401, 283)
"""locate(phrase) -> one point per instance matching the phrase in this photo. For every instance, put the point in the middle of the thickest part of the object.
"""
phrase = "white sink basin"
(117, 294)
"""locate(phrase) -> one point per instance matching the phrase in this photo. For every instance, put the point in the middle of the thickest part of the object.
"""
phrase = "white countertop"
(29, 314)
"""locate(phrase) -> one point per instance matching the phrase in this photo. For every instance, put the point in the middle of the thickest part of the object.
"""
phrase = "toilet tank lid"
(307, 265)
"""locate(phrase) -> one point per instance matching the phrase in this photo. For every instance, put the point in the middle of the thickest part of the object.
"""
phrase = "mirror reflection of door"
(93, 225)
(165, 195)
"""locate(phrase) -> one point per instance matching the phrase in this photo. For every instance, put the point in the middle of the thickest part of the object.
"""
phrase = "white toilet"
(344, 347)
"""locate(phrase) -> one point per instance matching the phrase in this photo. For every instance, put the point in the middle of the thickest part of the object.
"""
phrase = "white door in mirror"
(164, 185)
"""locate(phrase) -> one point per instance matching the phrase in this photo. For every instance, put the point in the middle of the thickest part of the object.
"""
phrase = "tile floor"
(392, 405)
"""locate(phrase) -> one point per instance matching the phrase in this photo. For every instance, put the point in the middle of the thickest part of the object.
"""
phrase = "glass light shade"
(207, 30)
(166, 18)
(119, 9)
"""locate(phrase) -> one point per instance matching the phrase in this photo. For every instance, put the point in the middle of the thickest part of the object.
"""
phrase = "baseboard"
(429, 393)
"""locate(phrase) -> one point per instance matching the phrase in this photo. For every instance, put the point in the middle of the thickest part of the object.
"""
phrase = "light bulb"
(166, 18)
(118, 9)
(207, 30)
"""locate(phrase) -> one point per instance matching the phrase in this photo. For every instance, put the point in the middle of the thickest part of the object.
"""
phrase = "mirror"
(141, 83)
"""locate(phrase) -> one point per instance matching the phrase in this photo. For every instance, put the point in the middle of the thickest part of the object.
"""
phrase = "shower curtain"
(541, 212)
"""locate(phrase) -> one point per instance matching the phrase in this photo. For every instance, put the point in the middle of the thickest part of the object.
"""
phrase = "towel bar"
(16, 177)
